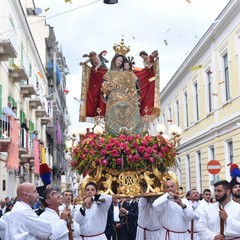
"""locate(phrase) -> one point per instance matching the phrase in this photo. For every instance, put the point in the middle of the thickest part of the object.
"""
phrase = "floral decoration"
(124, 152)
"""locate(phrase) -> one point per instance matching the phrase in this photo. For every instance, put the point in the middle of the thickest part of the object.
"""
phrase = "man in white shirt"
(22, 221)
(194, 197)
(63, 226)
(175, 213)
(66, 201)
(220, 220)
(149, 220)
(6, 114)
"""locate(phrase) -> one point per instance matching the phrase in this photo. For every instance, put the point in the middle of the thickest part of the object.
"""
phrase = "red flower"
(136, 158)
(103, 152)
(165, 149)
(109, 147)
(151, 160)
(122, 138)
(127, 151)
(129, 138)
(135, 144)
(146, 156)
(119, 161)
(149, 150)
(141, 149)
(114, 153)
(104, 162)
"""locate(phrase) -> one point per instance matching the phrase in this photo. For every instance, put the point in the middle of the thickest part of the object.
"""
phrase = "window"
(177, 113)
(186, 109)
(209, 91)
(163, 119)
(188, 172)
(199, 170)
(196, 102)
(226, 77)
(170, 115)
(228, 156)
(179, 175)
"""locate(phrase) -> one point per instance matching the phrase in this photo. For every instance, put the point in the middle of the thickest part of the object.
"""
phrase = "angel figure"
(96, 60)
(148, 60)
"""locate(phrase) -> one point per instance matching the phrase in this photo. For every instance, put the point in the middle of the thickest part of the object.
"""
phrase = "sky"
(173, 27)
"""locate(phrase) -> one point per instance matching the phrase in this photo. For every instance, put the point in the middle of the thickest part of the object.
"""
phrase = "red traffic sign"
(214, 166)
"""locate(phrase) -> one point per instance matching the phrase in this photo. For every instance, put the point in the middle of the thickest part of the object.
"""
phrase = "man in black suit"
(129, 217)
(109, 231)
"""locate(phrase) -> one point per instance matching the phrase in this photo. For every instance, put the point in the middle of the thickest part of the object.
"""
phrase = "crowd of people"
(101, 217)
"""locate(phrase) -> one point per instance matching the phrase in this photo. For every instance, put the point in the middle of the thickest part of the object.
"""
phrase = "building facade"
(203, 98)
(33, 74)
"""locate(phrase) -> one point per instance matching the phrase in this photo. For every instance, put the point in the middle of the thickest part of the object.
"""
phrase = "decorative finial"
(121, 49)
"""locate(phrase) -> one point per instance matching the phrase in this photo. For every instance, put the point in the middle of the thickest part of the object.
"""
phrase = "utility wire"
(59, 14)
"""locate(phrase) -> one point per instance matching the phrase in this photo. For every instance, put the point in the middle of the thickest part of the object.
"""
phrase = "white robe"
(59, 226)
(148, 219)
(95, 219)
(175, 220)
(209, 223)
(195, 206)
(23, 223)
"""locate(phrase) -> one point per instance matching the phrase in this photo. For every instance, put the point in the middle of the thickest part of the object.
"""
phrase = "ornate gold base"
(128, 183)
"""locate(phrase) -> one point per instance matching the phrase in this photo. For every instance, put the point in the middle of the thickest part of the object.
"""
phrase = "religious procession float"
(120, 155)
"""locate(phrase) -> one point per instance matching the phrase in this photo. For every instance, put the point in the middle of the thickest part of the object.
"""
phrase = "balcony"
(45, 120)
(40, 113)
(5, 133)
(27, 90)
(34, 103)
(17, 73)
(7, 50)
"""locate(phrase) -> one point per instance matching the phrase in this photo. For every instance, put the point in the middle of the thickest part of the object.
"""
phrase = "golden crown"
(121, 49)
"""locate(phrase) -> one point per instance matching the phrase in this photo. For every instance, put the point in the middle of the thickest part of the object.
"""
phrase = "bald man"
(22, 220)
(176, 213)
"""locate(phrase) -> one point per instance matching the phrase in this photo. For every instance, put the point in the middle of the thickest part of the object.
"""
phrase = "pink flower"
(145, 142)
(165, 149)
(137, 136)
(146, 156)
(104, 162)
(117, 144)
(91, 142)
(130, 158)
(101, 140)
(136, 158)
(154, 146)
(118, 161)
(123, 146)
(85, 150)
(127, 151)
(151, 160)
(141, 149)
(135, 145)
(91, 152)
(122, 138)
(114, 153)
(83, 156)
(149, 150)
(109, 147)
(103, 152)
(129, 138)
